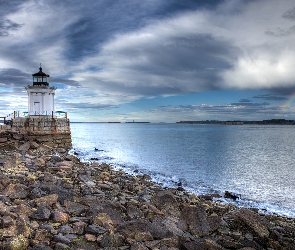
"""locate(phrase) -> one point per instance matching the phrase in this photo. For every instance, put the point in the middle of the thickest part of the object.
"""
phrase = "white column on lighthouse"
(40, 95)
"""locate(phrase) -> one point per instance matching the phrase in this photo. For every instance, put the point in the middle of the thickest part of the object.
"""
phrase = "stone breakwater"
(51, 200)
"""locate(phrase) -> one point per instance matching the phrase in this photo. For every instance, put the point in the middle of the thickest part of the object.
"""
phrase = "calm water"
(257, 162)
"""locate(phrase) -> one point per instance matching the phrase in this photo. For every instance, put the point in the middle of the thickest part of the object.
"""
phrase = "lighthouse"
(40, 95)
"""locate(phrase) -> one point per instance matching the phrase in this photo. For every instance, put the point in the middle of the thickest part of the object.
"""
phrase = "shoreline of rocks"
(51, 200)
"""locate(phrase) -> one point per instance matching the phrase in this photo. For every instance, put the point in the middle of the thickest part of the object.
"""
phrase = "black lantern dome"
(40, 78)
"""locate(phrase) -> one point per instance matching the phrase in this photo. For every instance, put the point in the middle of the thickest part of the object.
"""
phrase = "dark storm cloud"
(106, 18)
(7, 25)
(65, 81)
(14, 78)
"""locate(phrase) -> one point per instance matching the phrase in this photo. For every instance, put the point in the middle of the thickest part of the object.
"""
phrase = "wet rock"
(196, 219)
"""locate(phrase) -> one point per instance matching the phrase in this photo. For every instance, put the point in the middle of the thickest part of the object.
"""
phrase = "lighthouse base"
(45, 130)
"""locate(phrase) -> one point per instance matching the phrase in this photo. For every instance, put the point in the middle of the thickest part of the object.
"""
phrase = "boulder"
(130, 228)
(166, 202)
(253, 222)
(16, 191)
(48, 199)
(202, 244)
(196, 219)
(42, 213)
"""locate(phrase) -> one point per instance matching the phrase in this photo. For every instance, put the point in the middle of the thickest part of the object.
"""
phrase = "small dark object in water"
(95, 149)
(136, 171)
(179, 184)
(231, 196)
(75, 153)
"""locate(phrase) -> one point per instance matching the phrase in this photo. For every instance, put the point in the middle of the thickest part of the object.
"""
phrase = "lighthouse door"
(37, 108)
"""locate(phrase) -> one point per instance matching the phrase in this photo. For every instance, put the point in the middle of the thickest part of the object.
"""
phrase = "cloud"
(271, 97)
(6, 26)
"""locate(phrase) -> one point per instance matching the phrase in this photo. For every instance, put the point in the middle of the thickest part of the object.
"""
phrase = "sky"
(152, 60)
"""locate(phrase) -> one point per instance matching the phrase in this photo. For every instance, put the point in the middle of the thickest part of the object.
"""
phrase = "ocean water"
(257, 162)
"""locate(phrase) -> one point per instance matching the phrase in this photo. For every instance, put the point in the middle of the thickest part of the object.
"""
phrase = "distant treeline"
(263, 122)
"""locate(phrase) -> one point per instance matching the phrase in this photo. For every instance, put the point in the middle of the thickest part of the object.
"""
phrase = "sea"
(257, 162)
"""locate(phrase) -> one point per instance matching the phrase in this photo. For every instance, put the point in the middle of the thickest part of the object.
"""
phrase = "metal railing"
(54, 114)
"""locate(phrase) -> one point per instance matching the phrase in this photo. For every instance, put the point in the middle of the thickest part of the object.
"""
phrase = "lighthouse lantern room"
(40, 95)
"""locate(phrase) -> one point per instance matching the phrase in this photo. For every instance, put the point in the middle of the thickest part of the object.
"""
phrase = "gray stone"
(42, 213)
(95, 229)
(62, 239)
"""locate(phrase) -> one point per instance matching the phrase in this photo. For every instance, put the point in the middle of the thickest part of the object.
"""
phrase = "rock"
(42, 235)
(66, 229)
(138, 246)
(7, 221)
(42, 213)
(75, 208)
(23, 227)
(214, 222)
(112, 240)
(202, 244)
(95, 229)
(59, 246)
(59, 216)
(24, 147)
(23, 209)
(4, 182)
(166, 202)
(130, 228)
(63, 194)
(16, 191)
(18, 242)
(62, 239)
(90, 237)
(252, 221)
(79, 227)
(196, 219)
(48, 199)
(158, 229)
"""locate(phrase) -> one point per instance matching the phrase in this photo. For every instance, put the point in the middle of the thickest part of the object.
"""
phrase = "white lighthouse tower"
(40, 95)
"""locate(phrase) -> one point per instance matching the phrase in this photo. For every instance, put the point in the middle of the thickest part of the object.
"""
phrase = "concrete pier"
(46, 130)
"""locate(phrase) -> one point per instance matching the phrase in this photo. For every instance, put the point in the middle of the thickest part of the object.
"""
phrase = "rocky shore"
(51, 200)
